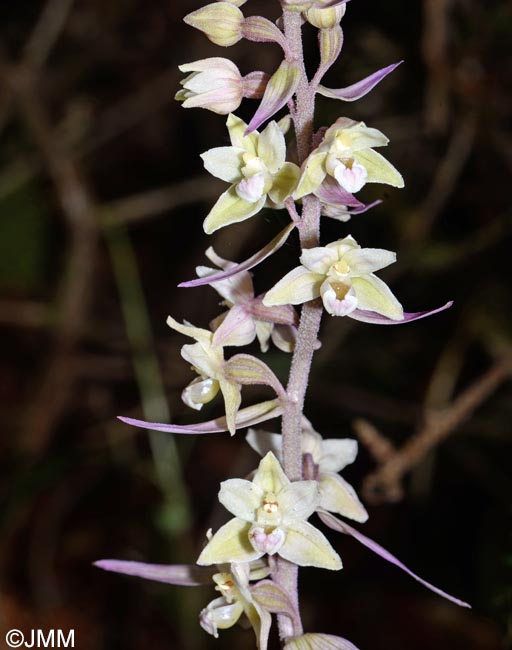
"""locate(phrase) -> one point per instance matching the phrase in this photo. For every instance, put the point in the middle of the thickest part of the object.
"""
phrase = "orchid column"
(254, 558)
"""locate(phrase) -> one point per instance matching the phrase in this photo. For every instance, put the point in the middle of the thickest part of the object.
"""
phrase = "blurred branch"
(46, 32)
(385, 483)
(435, 54)
(445, 179)
(164, 199)
(80, 213)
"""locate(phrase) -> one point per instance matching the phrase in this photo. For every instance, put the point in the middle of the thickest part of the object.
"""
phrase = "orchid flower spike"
(321, 461)
(256, 167)
(270, 517)
(347, 154)
(342, 274)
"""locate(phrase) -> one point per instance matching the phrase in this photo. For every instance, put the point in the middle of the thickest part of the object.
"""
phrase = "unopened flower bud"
(297, 5)
(215, 84)
(326, 18)
(221, 22)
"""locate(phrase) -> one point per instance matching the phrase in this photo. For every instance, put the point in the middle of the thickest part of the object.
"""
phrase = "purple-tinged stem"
(309, 226)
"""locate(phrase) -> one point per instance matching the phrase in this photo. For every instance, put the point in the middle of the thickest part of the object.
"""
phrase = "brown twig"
(434, 49)
(384, 483)
(80, 214)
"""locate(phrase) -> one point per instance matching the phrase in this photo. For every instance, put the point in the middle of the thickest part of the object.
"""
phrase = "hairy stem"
(287, 573)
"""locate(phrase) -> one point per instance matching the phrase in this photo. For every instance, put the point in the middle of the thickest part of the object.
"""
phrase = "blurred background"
(102, 196)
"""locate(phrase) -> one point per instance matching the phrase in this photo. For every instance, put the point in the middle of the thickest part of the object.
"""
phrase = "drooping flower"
(217, 85)
(256, 167)
(247, 317)
(270, 517)
(347, 154)
(342, 273)
(322, 460)
(232, 581)
(208, 361)
(235, 601)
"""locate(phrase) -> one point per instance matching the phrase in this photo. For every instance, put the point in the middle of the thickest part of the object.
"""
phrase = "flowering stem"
(303, 116)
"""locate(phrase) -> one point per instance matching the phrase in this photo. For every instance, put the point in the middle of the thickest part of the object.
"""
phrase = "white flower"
(235, 601)
(270, 517)
(247, 317)
(321, 460)
(256, 167)
(341, 273)
(215, 84)
(208, 361)
(347, 154)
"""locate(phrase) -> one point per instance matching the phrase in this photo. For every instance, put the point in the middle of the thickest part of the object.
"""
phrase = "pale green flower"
(321, 461)
(342, 274)
(256, 167)
(235, 601)
(270, 517)
(347, 154)
(208, 361)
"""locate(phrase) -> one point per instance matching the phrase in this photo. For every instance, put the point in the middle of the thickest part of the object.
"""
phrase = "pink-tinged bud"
(266, 541)
(215, 84)
(325, 18)
(221, 22)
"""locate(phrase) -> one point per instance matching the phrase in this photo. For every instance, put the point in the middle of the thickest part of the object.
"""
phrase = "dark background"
(102, 196)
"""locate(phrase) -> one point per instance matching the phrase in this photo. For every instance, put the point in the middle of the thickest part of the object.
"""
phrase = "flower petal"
(298, 500)
(262, 442)
(242, 498)
(229, 544)
(236, 129)
(408, 317)
(231, 393)
(369, 260)
(245, 417)
(342, 527)
(360, 88)
(336, 495)
(250, 263)
(305, 545)
(374, 295)
(297, 286)
(202, 335)
(336, 454)
(279, 90)
(272, 147)
(185, 575)
(284, 183)
(238, 328)
(230, 208)
(269, 476)
(318, 259)
(312, 175)
(224, 163)
(378, 168)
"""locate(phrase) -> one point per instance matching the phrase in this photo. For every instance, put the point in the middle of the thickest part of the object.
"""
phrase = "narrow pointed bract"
(342, 527)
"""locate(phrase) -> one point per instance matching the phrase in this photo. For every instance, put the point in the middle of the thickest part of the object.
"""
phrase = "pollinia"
(252, 561)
